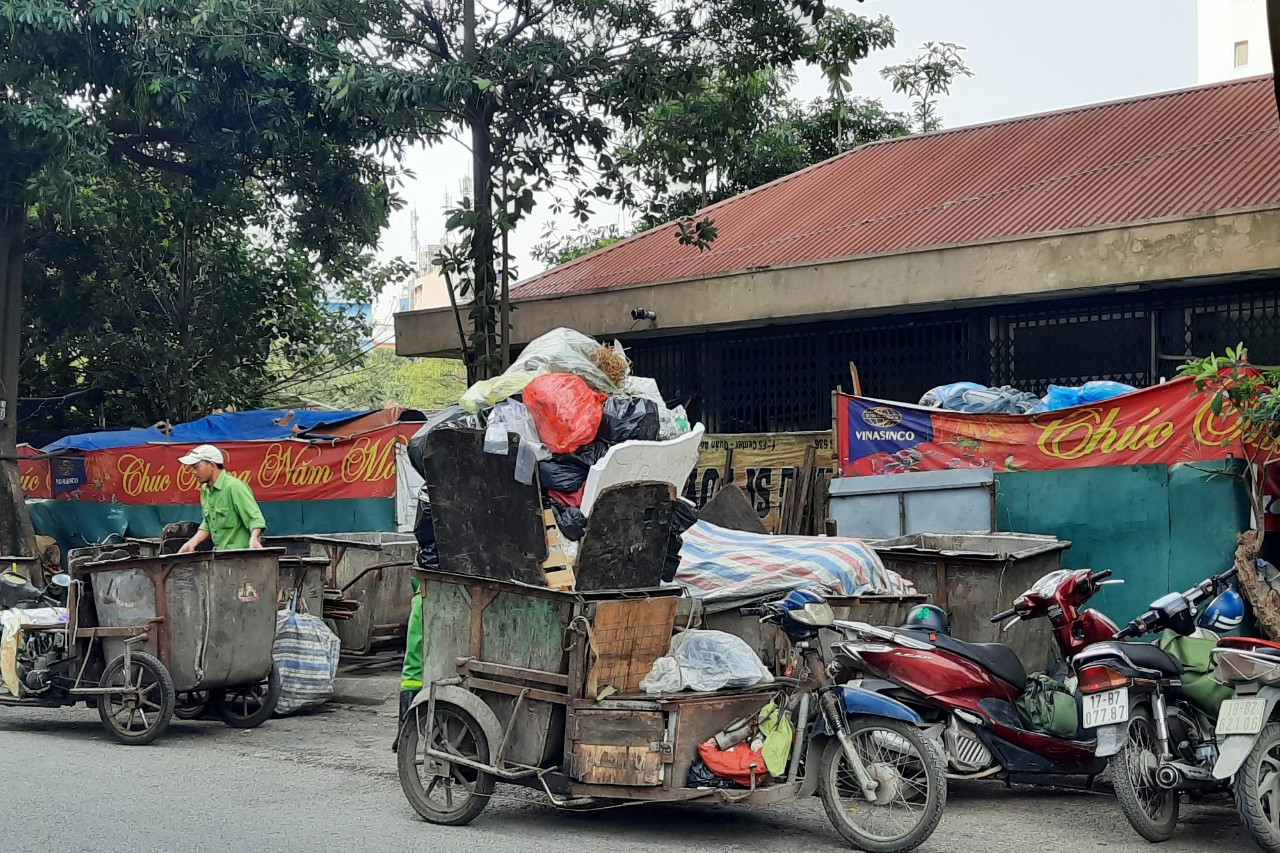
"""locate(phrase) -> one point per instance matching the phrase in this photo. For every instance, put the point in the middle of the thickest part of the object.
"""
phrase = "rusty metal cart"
(537, 686)
(57, 657)
(209, 618)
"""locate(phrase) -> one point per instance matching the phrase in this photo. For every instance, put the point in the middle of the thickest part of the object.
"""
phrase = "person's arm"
(251, 515)
(202, 535)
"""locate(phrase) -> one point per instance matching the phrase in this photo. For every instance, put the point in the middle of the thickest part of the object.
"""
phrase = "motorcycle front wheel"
(1152, 811)
(910, 772)
(1257, 789)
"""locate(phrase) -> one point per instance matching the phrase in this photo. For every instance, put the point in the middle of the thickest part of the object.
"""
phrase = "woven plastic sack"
(566, 411)
(306, 656)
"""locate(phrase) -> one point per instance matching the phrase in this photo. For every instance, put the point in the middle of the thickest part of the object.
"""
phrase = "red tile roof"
(1174, 154)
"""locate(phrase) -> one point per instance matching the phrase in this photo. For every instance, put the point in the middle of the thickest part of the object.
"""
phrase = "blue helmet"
(1224, 613)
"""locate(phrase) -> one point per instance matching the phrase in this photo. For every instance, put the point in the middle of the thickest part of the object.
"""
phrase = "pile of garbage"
(569, 399)
(979, 399)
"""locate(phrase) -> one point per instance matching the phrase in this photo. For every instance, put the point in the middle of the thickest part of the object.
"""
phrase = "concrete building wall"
(1232, 39)
(1012, 271)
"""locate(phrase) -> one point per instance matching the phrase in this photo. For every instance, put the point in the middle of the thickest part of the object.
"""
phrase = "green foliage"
(543, 93)
(561, 248)
(1235, 385)
(788, 136)
(380, 378)
(158, 296)
(930, 74)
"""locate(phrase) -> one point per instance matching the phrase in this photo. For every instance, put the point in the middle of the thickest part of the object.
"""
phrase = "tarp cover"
(725, 566)
(260, 425)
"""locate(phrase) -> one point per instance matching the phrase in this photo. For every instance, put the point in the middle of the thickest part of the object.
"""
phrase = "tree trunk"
(1265, 601)
(17, 537)
(483, 245)
(504, 306)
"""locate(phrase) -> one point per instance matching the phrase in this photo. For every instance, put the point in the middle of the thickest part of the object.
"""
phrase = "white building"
(1232, 39)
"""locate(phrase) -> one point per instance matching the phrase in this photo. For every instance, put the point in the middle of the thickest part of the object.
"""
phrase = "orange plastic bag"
(566, 411)
(736, 764)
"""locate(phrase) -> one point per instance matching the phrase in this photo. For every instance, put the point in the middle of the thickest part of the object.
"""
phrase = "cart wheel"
(248, 706)
(141, 710)
(442, 792)
(192, 705)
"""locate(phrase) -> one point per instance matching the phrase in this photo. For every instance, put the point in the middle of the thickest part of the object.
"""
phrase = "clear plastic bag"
(512, 416)
(706, 661)
(565, 351)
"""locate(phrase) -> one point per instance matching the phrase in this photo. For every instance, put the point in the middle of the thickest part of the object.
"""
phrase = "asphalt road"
(327, 782)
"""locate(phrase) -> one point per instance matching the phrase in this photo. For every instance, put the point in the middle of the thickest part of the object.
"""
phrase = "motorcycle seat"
(997, 658)
(1141, 655)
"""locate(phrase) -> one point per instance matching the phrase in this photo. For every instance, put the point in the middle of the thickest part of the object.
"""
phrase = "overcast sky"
(1028, 56)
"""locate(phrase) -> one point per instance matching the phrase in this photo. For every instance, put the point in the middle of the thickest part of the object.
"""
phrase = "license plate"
(1241, 716)
(1107, 708)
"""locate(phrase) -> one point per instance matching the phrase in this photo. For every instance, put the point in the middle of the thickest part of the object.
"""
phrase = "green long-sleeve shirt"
(230, 512)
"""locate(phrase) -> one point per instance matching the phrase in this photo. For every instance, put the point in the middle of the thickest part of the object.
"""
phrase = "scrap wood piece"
(627, 637)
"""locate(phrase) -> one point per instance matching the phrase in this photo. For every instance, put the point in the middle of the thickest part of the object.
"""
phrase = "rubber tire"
(218, 699)
(936, 768)
(192, 712)
(167, 700)
(1248, 801)
(408, 752)
(1127, 792)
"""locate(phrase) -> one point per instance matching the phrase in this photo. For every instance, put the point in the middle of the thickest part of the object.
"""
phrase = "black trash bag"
(592, 453)
(562, 474)
(630, 419)
(671, 563)
(570, 520)
(700, 776)
(424, 531)
(451, 418)
(683, 515)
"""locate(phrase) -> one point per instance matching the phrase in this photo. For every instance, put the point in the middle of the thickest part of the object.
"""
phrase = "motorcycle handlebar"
(752, 611)
(1100, 576)
(1003, 615)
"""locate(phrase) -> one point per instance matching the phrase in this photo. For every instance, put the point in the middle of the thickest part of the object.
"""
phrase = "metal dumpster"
(358, 565)
(212, 620)
(975, 575)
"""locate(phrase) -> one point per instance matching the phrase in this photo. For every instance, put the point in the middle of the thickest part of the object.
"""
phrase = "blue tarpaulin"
(261, 425)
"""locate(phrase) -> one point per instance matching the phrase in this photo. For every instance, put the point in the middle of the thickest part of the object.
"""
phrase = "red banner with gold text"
(1164, 424)
(362, 467)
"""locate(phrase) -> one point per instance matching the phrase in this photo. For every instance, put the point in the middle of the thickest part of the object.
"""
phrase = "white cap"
(203, 453)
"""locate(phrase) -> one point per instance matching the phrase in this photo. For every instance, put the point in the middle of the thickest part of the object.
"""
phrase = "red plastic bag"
(565, 410)
(736, 764)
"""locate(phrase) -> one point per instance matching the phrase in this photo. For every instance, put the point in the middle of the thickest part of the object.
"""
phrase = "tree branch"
(431, 21)
(153, 162)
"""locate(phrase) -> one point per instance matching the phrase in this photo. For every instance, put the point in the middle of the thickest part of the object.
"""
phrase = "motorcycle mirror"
(61, 579)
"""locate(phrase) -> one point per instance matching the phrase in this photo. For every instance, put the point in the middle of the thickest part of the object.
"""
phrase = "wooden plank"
(628, 636)
(516, 672)
(625, 544)
(618, 765)
(487, 524)
(618, 728)
(805, 478)
(530, 693)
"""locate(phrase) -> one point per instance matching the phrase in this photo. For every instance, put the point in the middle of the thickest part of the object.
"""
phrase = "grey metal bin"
(975, 575)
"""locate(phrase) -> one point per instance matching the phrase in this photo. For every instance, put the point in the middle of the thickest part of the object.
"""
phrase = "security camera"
(643, 314)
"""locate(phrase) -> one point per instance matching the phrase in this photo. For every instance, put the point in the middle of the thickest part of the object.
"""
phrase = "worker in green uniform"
(231, 516)
(411, 672)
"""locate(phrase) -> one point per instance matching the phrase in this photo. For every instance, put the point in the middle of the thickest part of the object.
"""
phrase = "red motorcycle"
(970, 691)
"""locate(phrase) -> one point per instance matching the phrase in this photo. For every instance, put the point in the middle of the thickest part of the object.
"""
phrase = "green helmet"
(929, 617)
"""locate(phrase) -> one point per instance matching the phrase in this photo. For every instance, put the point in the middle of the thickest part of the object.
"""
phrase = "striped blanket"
(727, 567)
